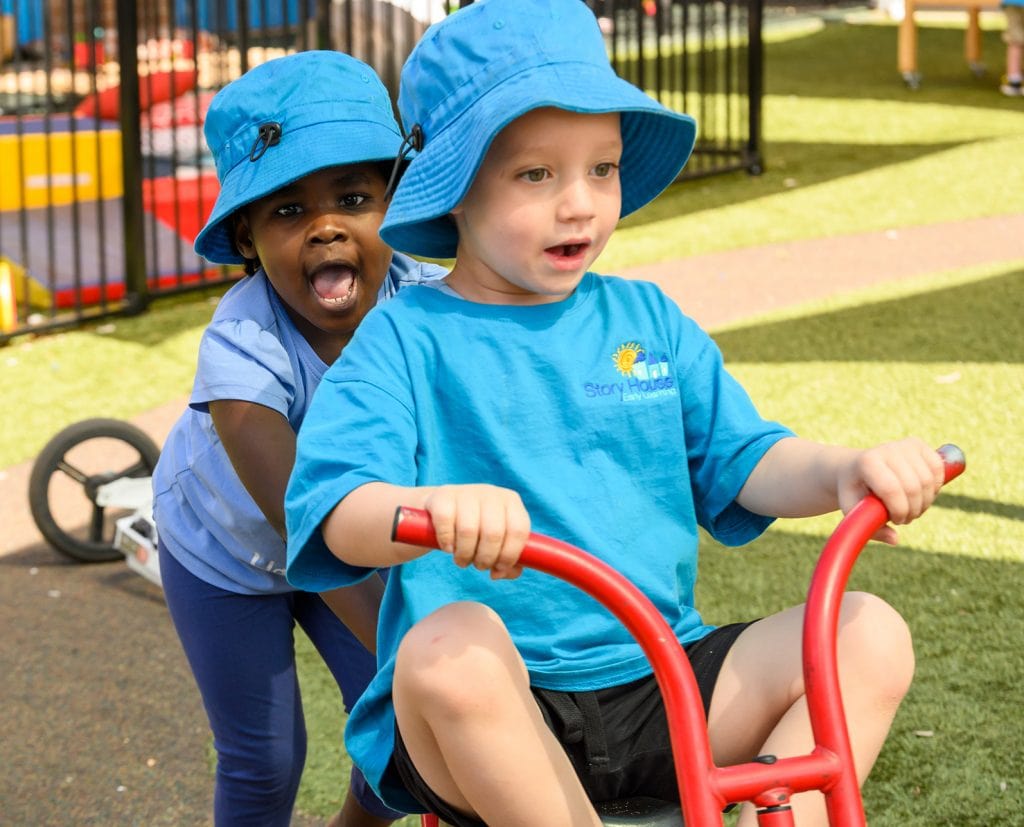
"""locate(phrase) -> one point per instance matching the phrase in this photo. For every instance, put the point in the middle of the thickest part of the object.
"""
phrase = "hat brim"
(656, 145)
(299, 153)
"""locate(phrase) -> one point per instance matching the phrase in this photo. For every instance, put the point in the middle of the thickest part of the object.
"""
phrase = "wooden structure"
(907, 39)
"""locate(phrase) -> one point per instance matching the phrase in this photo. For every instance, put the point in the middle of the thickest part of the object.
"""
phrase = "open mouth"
(569, 250)
(334, 284)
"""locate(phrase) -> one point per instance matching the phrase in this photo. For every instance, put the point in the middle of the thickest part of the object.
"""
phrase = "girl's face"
(541, 208)
(318, 243)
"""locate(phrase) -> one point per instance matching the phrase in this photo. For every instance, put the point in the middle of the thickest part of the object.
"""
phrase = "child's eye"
(535, 176)
(353, 200)
(287, 210)
(605, 170)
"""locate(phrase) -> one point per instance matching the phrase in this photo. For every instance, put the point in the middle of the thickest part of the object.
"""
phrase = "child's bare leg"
(759, 705)
(1014, 51)
(473, 729)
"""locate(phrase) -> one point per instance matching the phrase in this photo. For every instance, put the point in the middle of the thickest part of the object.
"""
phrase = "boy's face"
(317, 240)
(541, 208)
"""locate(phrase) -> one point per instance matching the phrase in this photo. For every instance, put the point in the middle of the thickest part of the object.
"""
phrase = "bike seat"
(640, 812)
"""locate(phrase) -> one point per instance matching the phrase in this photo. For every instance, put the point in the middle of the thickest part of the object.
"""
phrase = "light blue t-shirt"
(253, 352)
(609, 412)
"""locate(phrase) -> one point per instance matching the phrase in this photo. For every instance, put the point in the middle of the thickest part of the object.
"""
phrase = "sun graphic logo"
(625, 357)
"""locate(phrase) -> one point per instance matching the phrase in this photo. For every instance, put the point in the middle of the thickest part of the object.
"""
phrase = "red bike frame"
(704, 788)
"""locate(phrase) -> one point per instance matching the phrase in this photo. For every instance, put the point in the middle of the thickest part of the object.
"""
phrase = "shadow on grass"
(844, 60)
(974, 322)
(964, 614)
(810, 164)
(981, 505)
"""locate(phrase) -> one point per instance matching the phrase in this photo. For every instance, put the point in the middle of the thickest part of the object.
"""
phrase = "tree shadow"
(974, 322)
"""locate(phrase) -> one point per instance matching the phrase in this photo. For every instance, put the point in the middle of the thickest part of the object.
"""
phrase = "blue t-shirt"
(253, 352)
(609, 412)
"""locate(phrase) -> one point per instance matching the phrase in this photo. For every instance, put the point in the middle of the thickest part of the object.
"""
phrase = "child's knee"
(459, 657)
(875, 641)
(260, 777)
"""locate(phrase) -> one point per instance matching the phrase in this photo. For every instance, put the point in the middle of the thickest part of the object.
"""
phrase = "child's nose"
(328, 226)
(577, 201)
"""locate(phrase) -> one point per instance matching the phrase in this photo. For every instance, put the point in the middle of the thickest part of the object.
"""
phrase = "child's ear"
(243, 237)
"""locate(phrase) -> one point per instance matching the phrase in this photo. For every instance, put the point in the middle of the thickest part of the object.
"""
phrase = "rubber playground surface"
(101, 723)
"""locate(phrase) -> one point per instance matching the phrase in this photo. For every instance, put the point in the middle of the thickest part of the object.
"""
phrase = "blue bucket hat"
(284, 119)
(487, 64)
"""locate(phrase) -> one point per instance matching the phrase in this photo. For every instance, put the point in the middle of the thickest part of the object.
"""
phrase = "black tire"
(94, 542)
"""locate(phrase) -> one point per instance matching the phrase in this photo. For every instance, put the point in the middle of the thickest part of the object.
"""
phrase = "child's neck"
(327, 346)
(497, 290)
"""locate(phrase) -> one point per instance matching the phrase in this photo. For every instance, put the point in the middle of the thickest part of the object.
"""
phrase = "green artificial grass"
(118, 368)
(848, 149)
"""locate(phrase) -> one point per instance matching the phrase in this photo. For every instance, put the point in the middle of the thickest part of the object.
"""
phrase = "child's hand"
(482, 525)
(906, 476)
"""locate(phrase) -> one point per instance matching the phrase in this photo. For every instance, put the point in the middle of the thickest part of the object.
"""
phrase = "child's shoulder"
(248, 298)
(641, 294)
(406, 271)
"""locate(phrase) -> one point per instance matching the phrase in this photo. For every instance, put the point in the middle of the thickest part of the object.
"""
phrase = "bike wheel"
(67, 474)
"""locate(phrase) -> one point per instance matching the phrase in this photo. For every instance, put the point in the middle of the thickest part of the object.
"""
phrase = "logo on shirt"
(643, 374)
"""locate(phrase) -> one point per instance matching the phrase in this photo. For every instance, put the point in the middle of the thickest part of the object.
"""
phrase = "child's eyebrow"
(349, 179)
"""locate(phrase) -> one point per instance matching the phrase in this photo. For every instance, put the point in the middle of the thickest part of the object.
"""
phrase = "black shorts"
(617, 738)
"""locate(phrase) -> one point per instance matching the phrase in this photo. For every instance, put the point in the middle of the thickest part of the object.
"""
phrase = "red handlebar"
(704, 788)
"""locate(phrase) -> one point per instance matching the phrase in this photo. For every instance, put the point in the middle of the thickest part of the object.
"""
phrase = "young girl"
(303, 145)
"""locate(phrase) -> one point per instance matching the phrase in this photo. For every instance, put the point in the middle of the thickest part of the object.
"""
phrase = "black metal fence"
(105, 179)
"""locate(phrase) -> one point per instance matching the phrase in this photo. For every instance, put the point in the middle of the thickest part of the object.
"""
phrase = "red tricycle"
(768, 782)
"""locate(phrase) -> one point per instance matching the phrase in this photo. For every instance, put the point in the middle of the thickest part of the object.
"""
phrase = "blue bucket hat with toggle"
(284, 119)
(487, 64)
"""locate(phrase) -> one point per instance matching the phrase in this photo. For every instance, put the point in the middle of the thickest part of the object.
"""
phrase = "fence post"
(136, 288)
(755, 86)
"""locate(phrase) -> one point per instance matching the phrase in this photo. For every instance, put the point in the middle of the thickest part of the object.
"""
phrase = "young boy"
(533, 394)
(304, 146)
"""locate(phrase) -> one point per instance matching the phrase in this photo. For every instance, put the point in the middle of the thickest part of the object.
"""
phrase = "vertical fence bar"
(243, 35)
(75, 235)
(136, 289)
(755, 86)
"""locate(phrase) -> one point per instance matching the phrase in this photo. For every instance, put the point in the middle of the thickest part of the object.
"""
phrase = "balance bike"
(98, 471)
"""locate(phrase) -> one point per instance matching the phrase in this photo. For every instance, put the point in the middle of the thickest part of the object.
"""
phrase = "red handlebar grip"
(413, 526)
(954, 460)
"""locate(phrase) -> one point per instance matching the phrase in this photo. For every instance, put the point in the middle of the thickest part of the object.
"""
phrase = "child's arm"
(480, 525)
(358, 606)
(260, 443)
(799, 478)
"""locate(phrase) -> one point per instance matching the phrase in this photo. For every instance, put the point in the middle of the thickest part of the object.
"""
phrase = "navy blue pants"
(242, 654)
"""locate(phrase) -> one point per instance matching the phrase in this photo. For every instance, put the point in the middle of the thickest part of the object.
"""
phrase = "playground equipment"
(769, 781)
(907, 37)
(67, 172)
(97, 473)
